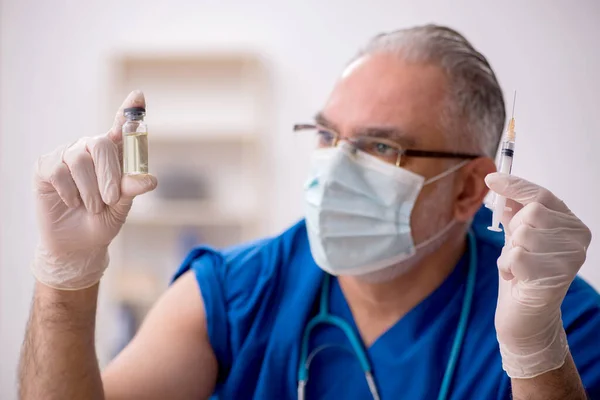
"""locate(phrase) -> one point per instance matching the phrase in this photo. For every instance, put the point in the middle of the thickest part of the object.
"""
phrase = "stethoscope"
(323, 317)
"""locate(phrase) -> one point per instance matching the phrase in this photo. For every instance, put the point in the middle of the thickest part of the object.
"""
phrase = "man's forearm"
(58, 359)
(563, 383)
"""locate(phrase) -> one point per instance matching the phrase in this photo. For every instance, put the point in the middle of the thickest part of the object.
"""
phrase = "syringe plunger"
(498, 210)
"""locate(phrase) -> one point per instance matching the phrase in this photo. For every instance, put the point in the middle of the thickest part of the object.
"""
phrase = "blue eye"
(382, 148)
(325, 138)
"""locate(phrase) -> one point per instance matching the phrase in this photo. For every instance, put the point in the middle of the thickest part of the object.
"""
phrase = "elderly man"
(388, 288)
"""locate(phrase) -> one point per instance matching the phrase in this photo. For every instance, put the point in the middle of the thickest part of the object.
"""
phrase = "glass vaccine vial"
(135, 141)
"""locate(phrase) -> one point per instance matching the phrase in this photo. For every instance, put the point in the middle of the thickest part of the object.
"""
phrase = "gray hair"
(475, 106)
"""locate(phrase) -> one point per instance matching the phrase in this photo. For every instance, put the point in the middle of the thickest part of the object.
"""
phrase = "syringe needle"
(514, 102)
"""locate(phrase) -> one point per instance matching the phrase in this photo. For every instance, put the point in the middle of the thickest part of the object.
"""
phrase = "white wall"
(53, 71)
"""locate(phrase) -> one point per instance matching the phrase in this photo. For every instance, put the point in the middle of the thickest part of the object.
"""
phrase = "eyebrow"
(383, 132)
(320, 119)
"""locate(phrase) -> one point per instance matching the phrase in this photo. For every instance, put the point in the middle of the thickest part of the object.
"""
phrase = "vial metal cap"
(134, 110)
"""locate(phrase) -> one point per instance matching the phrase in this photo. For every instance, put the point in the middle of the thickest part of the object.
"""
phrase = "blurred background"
(224, 82)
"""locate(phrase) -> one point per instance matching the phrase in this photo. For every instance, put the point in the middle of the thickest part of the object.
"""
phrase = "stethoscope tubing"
(323, 317)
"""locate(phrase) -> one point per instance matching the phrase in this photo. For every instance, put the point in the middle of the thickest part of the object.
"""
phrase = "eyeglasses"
(384, 149)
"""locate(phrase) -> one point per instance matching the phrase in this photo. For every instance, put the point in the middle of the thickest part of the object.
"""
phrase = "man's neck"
(376, 307)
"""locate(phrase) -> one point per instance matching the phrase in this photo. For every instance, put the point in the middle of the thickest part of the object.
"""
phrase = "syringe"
(506, 160)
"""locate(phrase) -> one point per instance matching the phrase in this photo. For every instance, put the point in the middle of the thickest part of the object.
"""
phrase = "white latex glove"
(82, 202)
(545, 247)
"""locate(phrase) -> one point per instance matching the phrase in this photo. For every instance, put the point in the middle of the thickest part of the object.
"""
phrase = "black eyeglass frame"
(401, 151)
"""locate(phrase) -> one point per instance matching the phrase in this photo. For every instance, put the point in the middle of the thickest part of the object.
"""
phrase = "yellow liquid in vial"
(135, 153)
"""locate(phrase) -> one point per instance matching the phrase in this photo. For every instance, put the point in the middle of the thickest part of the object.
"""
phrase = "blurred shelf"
(219, 56)
(174, 213)
(209, 114)
(175, 135)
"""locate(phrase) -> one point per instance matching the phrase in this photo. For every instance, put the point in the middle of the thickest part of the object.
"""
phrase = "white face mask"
(358, 211)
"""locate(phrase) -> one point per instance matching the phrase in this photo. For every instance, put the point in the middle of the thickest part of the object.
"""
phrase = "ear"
(471, 188)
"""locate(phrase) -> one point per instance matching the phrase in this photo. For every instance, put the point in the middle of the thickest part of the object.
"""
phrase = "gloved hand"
(545, 246)
(82, 202)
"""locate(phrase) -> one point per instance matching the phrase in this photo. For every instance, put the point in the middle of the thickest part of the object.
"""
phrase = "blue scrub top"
(259, 296)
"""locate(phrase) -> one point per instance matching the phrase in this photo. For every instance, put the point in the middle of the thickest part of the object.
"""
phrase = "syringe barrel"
(506, 157)
(508, 146)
